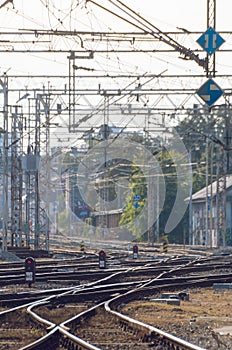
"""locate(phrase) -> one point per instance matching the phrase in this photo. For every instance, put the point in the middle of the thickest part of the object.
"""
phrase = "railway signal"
(102, 259)
(30, 270)
(135, 251)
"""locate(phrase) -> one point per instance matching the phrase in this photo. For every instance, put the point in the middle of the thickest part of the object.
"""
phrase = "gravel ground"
(204, 320)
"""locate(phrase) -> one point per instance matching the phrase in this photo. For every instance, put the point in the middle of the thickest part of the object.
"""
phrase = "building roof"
(201, 195)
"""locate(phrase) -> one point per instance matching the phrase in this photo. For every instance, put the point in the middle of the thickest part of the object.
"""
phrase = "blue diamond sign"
(210, 40)
(210, 92)
(136, 205)
(136, 197)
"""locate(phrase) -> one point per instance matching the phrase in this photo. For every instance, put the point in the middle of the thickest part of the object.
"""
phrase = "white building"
(212, 214)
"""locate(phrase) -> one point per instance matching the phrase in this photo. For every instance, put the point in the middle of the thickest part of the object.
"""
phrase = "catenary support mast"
(211, 22)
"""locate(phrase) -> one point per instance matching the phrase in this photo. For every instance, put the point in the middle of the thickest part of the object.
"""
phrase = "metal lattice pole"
(4, 84)
(211, 22)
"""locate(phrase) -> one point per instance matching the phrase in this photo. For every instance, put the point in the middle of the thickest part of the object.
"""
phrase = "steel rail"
(50, 325)
(44, 342)
(69, 339)
(58, 336)
(154, 332)
(146, 331)
(149, 330)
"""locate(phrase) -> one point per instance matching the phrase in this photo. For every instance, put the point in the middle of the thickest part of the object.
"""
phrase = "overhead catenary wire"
(112, 98)
(149, 28)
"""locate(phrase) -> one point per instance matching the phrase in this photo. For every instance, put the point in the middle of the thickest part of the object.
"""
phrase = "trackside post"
(30, 270)
(102, 259)
(135, 251)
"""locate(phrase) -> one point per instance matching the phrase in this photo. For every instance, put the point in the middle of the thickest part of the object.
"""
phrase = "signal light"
(102, 259)
(30, 270)
(135, 251)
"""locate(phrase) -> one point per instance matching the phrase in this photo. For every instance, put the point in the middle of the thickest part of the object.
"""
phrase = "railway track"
(100, 306)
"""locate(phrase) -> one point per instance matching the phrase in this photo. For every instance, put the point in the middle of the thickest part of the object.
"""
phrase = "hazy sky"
(167, 15)
(82, 15)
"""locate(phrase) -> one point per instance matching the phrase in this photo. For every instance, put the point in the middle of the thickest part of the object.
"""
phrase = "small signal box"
(102, 259)
(135, 251)
(30, 270)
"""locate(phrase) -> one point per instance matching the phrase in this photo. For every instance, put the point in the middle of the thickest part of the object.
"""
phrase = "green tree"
(137, 187)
